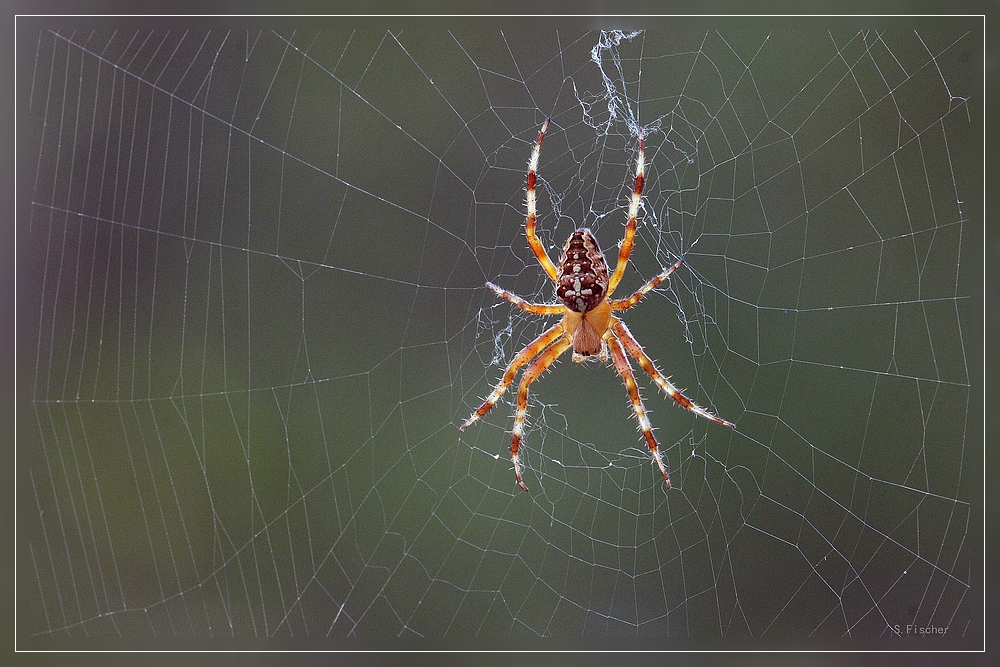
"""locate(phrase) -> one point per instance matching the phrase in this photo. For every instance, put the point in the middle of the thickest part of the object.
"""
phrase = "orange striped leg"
(529, 223)
(536, 368)
(633, 212)
(534, 308)
(625, 370)
(633, 347)
(625, 304)
(523, 357)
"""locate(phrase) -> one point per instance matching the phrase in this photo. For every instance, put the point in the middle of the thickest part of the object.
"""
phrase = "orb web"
(258, 264)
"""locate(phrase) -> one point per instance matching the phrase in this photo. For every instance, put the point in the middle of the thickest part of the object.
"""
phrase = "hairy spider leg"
(633, 347)
(625, 370)
(633, 212)
(533, 308)
(536, 368)
(625, 304)
(523, 357)
(529, 223)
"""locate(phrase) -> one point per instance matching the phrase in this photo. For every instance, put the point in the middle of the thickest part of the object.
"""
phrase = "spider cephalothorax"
(584, 289)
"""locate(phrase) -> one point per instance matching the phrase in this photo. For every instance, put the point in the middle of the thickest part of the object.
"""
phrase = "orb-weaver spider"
(584, 288)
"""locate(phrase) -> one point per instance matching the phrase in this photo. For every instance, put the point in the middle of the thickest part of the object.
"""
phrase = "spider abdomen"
(582, 279)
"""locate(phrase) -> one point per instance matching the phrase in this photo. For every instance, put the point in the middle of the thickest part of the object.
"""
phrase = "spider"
(584, 289)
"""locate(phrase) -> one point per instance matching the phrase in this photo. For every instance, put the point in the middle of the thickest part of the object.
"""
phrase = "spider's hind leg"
(529, 222)
(633, 213)
(625, 304)
(533, 308)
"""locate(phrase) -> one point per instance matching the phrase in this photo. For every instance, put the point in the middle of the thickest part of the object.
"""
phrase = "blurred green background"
(257, 258)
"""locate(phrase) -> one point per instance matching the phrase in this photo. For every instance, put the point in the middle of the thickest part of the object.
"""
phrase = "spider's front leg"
(522, 357)
(625, 370)
(536, 368)
(633, 347)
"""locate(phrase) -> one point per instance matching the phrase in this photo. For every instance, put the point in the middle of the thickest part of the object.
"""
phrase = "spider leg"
(529, 223)
(633, 347)
(534, 308)
(625, 304)
(625, 370)
(522, 357)
(536, 368)
(633, 212)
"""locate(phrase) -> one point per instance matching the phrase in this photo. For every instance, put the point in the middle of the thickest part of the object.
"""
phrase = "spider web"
(257, 264)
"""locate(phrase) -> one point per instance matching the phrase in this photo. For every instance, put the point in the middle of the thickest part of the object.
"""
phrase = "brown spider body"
(582, 286)
(588, 325)
(582, 279)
